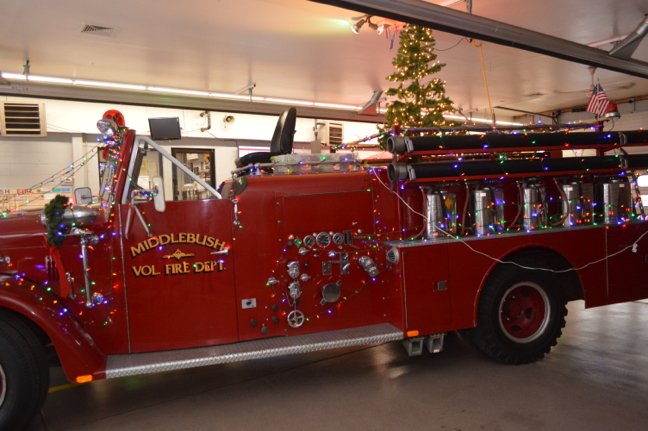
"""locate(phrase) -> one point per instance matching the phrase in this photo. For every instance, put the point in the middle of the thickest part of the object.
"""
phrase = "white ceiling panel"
(303, 50)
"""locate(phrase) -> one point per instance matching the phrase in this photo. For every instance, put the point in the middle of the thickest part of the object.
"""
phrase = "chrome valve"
(369, 266)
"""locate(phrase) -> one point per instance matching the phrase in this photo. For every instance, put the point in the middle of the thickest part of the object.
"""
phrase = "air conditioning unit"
(329, 133)
(22, 119)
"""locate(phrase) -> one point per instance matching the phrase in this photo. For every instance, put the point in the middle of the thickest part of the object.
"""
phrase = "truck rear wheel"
(520, 316)
(23, 384)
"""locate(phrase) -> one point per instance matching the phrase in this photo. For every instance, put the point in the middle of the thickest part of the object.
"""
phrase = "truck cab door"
(178, 271)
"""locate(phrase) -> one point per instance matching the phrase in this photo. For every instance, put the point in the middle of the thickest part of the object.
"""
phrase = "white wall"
(72, 131)
(24, 162)
(633, 116)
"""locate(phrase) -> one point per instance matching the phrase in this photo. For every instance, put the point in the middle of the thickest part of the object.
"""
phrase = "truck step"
(156, 362)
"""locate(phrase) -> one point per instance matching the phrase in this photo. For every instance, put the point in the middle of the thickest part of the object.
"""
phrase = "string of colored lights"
(634, 246)
(61, 176)
(68, 167)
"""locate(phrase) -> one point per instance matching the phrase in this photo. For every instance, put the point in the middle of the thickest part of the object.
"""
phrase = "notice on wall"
(23, 198)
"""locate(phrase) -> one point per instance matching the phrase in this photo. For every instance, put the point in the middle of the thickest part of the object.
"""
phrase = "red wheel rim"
(524, 312)
(3, 385)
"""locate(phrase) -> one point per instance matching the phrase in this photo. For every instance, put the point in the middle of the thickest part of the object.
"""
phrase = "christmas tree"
(419, 100)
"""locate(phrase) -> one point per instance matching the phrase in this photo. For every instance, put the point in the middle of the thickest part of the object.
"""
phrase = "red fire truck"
(489, 233)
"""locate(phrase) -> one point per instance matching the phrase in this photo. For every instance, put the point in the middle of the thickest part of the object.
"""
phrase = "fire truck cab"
(490, 234)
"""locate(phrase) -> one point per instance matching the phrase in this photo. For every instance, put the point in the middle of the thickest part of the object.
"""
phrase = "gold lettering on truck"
(179, 238)
(177, 268)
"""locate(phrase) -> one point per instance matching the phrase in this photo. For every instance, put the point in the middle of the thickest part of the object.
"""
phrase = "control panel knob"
(295, 319)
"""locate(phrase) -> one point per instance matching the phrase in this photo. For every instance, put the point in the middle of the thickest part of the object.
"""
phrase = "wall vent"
(98, 30)
(22, 119)
(331, 134)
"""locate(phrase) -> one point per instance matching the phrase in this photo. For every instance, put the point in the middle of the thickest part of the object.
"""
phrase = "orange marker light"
(413, 333)
(86, 378)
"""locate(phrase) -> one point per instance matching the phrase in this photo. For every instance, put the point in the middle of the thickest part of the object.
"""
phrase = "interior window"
(178, 185)
(201, 162)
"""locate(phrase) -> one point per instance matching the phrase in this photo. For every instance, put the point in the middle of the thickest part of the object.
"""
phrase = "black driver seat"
(282, 141)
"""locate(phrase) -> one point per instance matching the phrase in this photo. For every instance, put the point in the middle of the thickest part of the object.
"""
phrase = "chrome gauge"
(323, 239)
(338, 238)
(309, 241)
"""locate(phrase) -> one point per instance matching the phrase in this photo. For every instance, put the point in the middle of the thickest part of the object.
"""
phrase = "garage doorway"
(201, 163)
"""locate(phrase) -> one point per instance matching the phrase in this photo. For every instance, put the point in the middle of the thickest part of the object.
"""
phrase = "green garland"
(53, 216)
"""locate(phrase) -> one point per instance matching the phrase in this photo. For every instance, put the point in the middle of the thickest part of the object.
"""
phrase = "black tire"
(520, 315)
(24, 377)
(37, 349)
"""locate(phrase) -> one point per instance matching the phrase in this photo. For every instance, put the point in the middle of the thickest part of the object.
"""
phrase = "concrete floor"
(595, 379)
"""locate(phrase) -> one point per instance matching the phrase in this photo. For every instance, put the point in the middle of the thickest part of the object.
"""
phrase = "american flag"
(598, 101)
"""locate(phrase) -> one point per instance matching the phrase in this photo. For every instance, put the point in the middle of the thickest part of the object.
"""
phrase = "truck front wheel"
(520, 316)
(22, 382)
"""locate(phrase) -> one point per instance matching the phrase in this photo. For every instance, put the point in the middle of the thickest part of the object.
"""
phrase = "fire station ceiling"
(302, 50)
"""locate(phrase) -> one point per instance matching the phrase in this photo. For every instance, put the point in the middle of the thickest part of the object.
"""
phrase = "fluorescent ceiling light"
(155, 89)
(105, 84)
(337, 106)
(16, 76)
(449, 2)
(229, 96)
(178, 91)
(289, 101)
(49, 79)
(481, 120)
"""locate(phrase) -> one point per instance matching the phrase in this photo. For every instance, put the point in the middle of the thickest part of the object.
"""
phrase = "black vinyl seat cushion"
(254, 158)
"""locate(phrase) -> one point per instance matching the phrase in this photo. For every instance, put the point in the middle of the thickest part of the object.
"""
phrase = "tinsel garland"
(53, 216)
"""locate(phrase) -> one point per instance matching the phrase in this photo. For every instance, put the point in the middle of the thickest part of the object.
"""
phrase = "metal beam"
(464, 24)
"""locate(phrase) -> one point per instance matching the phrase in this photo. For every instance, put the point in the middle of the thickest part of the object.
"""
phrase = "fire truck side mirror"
(83, 195)
(158, 194)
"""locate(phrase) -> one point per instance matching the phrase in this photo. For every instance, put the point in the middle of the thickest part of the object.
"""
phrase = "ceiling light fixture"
(371, 25)
(481, 120)
(366, 19)
(216, 95)
(49, 79)
(382, 27)
(154, 89)
(289, 101)
(449, 2)
(355, 27)
(178, 91)
(14, 76)
(105, 84)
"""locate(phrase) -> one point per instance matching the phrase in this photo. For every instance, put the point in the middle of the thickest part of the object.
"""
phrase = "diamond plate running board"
(156, 362)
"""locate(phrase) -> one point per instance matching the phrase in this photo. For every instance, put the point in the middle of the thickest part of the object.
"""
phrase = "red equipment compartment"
(443, 278)
(322, 225)
(625, 272)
